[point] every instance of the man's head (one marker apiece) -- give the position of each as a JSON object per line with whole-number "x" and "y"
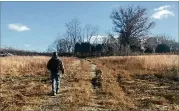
{"x": 55, "y": 55}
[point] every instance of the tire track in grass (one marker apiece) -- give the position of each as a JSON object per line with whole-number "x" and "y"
{"x": 95, "y": 106}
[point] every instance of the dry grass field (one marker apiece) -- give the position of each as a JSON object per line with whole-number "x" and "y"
{"x": 128, "y": 83}
{"x": 141, "y": 82}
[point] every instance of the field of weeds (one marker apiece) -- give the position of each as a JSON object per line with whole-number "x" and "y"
{"x": 128, "y": 83}
{"x": 142, "y": 82}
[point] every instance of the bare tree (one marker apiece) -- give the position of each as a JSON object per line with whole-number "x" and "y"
{"x": 95, "y": 39}
{"x": 111, "y": 44}
{"x": 151, "y": 43}
{"x": 90, "y": 31}
{"x": 53, "y": 47}
{"x": 164, "y": 39}
{"x": 130, "y": 23}
{"x": 115, "y": 44}
{"x": 61, "y": 45}
{"x": 68, "y": 42}
{"x": 73, "y": 32}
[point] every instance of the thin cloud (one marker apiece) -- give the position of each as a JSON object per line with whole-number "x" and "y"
{"x": 163, "y": 12}
{"x": 18, "y": 27}
{"x": 162, "y": 8}
{"x": 26, "y": 45}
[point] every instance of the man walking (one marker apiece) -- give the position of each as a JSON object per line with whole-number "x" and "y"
{"x": 55, "y": 66}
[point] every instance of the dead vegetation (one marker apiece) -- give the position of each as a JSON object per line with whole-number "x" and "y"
{"x": 127, "y": 83}
{"x": 25, "y": 82}
{"x": 143, "y": 82}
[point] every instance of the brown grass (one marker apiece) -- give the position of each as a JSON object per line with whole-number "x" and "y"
{"x": 23, "y": 65}
{"x": 111, "y": 95}
{"x": 79, "y": 87}
{"x": 139, "y": 64}
{"x": 119, "y": 73}
{"x": 20, "y": 65}
{"x": 25, "y": 83}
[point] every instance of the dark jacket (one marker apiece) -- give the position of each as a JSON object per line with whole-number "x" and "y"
{"x": 55, "y": 65}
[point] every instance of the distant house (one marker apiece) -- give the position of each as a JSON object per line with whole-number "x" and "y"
{"x": 6, "y": 54}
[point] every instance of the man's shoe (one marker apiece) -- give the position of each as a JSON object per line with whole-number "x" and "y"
{"x": 57, "y": 91}
{"x": 54, "y": 94}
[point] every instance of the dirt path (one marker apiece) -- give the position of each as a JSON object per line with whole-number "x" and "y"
{"x": 149, "y": 92}
{"x": 76, "y": 93}
{"x": 95, "y": 105}
{"x": 61, "y": 100}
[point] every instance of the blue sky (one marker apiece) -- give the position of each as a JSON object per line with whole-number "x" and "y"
{"x": 35, "y": 25}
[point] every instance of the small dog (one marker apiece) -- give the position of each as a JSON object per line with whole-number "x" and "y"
{"x": 96, "y": 81}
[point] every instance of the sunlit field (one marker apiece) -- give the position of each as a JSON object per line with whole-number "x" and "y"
{"x": 140, "y": 82}
{"x": 128, "y": 83}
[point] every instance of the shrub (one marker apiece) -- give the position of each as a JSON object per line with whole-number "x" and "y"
{"x": 148, "y": 50}
{"x": 162, "y": 48}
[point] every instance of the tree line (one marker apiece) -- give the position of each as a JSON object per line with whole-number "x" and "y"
{"x": 130, "y": 35}
{"x": 5, "y": 51}
{"x": 74, "y": 34}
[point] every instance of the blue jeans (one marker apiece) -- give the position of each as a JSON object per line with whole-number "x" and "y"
{"x": 55, "y": 82}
